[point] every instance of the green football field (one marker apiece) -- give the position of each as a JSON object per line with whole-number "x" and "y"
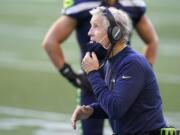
{"x": 35, "y": 99}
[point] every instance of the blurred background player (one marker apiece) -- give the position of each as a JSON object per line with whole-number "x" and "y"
{"x": 76, "y": 17}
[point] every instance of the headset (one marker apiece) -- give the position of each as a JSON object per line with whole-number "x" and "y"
{"x": 113, "y": 31}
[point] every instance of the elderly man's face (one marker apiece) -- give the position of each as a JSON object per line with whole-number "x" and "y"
{"x": 98, "y": 32}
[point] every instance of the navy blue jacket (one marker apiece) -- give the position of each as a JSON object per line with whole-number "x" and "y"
{"x": 130, "y": 96}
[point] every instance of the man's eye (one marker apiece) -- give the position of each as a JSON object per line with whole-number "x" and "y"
{"x": 95, "y": 26}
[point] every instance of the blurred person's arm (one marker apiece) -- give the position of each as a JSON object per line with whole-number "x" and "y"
{"x": 56, "y": 35}
{"x": 147, "y": 32}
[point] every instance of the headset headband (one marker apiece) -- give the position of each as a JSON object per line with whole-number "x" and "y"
{"x": 110, "y": 17}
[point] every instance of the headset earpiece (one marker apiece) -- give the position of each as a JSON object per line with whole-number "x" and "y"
{"x": 114, "y": 32}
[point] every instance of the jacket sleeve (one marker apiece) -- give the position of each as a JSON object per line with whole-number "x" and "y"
{"x": 129, "y": 83}
{"x": 98, "y": 112}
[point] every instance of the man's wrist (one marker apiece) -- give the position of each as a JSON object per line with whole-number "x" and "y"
{"x": 92, "y": 76}
{"x": 92, "y": 72}
{"x": 88, "y": 72}
{"x": 65, "y": 69}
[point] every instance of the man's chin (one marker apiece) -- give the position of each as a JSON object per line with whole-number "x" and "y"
{"x": 92, "y": 41}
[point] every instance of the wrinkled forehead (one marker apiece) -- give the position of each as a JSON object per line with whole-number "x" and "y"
{"x": 98, "y": 19}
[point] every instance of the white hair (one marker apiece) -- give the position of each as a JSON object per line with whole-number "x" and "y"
{"x": 121, "y": 19}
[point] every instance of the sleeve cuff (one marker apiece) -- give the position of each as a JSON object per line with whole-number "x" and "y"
{"x": 93, "y": 74}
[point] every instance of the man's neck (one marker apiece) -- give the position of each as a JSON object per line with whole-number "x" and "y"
{"x": 118, "y": 47}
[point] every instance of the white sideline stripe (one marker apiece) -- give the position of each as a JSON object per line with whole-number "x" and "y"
{"x": 10, "y": 31}
{"x": 169, "y": 78}
{"x": 32, "y": 113}
{"x": 36, "y": 32}
{"x": 47, "y": 122}
{"x": 20, "y": 64}
{"x": 169, "y": 51}
{"x": 50, "y": 132}
{"x": 27, "y": 65}
{"x": 52, "y": 123}
{"x": 173, "y": 119}
{"x": 12, "y": 123}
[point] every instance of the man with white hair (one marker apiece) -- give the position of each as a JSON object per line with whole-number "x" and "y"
{"x": 129, "y": 95}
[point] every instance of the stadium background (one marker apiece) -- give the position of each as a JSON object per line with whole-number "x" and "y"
{"x": 35, "y": 99}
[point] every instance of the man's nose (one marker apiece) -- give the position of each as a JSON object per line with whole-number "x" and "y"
{"x": 90, "y": 32}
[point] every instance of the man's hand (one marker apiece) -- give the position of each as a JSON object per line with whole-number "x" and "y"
{"x": 90, "y": 62}
{"x": 80, "y": 113}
